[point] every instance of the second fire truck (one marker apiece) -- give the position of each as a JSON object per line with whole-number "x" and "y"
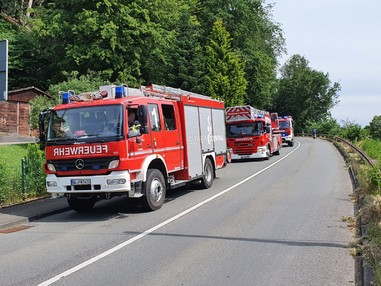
{"x": 250, "y": 133}
{"x": 286, "y": 129}
{"x": 138, "y": 142}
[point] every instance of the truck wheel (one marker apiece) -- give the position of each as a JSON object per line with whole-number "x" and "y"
{"x": 291, "y": 143}
{"x": 268, "y": 153}
{"x": 277, "y": 152}
{"x": 208, "y": 174}
{"x": 82, "y": 204}
{"x": 155, "y": 189}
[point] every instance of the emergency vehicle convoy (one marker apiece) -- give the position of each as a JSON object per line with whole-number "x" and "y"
{"x": 250, "y": 133}
{"x": 138, "y": 142}
{"x": 286, "y": 129}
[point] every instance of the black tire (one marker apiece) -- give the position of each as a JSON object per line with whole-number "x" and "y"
{"x": 154, "y": 189}
{"x": 291, "y": 143}
{"x": 208, "y": 174}
{"x": 80, "y": 204}
{"x": 268, "y": 153}
{"x": 277, "y": 152}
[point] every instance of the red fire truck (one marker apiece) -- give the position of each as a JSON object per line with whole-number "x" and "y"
{"x": 286, "y": 129}
{"x": 139, "y": 142}
{"x": 250, "y": 133}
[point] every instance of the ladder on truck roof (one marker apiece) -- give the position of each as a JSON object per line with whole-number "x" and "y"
{"x": 171, "y": 92}
{"x": 245, "y": 112}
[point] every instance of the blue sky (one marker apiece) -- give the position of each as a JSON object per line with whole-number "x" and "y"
{"x": 341, "y": 38}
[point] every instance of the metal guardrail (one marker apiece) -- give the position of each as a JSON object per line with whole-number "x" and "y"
{"x": 363, "y": 155}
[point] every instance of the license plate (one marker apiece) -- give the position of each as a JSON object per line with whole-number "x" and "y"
{"x": 80, "y": 182}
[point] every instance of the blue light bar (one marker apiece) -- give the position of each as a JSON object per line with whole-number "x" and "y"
{"x": 65, "y": 98}
{"x": 119, "y": 91}
{"x": 259, "y": 116}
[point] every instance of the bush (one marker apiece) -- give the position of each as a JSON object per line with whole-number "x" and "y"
{"x": 372, "y": 147}
{"x": 34, "y": 169}
{"x": 352, "y": 132}
{"x": 10, "y": 185}
{"x": 374, "y": 179}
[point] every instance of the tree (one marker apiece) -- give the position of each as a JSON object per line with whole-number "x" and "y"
{"x": 258, "y": 39}
{"x": 185, "y": 68}
{"x": 128, "y": 39}
{"x": 262, "y": 83}
{"x": 225, "y": 71}
{"x": 375, "y": 127}
{"x": 304, "y": 93}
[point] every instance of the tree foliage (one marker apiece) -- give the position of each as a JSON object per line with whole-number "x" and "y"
{"x": 141, "y": 42}
{"x": 256, "y": 37}
{"x": 375, "y": 127}
{"x": 225, "y": 71}
{"x": 304, "y": 93}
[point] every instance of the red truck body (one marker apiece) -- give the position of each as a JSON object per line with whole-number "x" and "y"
{"x": 178, "y": 137}
{"x": 250, "y": 133}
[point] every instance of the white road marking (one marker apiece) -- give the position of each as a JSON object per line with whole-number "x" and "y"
{"x": 168, "y": 221}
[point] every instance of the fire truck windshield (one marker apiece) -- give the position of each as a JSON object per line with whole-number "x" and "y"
{"x": 89, "y": 124}
{"x": 244, "y": 129}
{"x": 284, "y": 124}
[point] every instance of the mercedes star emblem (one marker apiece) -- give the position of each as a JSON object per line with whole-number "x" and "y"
{"x": 79, "y": 164}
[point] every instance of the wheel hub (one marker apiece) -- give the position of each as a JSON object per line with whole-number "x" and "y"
{"x": 156, "y": 190}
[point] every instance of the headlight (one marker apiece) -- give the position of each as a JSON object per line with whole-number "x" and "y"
{"x": 51, "y": 184}
{"x": 51, "y": 167}
{"x": 261, "y": 149}
{"x": 113, "y": 164}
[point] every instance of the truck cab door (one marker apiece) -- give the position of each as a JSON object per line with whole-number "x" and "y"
{"x": 172, "y": 138}
{"x": 165, "y": 134}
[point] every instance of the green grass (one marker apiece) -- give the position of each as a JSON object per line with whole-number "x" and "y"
{"x": 11, "y": 191}
{"x": 11, "y": 155}
{"x": 372, "y": 147}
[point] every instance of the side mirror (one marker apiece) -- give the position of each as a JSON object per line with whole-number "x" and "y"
{"x": 43, "y": 116}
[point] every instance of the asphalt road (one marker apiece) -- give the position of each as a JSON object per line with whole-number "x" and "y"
{"x": 276, "y": 222}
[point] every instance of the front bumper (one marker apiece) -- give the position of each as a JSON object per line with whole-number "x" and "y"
{"x": 115, "y": 182}
{"x": 287, "y": 138}
{"x": 260, "y": 154}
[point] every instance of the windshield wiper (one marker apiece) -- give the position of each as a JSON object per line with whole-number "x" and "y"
{"x": 61, "y": 141}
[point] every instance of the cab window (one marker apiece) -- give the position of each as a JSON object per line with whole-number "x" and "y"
{"x": 154, "y": 117}
{"x": 169, "y": 117}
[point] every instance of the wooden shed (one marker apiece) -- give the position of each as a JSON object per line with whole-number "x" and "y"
{"x": 14, "y": 113}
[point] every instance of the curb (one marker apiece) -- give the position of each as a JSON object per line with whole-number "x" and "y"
{"x": 11, "y": 221}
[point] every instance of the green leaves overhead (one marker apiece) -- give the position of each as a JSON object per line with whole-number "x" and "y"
{"x": 147, "y": 41}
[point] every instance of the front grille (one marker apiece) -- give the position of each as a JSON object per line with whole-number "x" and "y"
{"x": 244, "y": 148}
{"x": 88, "y": 164}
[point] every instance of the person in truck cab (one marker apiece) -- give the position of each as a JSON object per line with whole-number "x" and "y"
{"x": 60, "y": 129}
{"x": 131, "y": 118}
{"x": 133, "y": 123}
